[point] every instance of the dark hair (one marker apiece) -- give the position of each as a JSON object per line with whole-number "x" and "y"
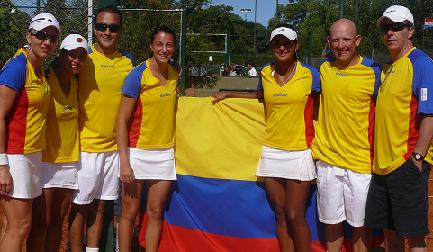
{"x": 110, "y": 9}
{"x": 162, "y": 29}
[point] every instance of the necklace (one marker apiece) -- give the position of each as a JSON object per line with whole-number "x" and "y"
{"x": 289, "y": 76}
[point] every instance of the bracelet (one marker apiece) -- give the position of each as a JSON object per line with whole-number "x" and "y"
{"x": 4, "y": 159}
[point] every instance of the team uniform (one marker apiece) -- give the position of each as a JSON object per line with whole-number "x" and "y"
{"x": 397, "y": 197}
{"x": 25, "y": 125}
{"x": 99, "y": 98}
{"x": 61, "y": 156}
{"x": 289, "y": 124}
{"x": 343, "y": 143}
{"x": 151, "y": 134}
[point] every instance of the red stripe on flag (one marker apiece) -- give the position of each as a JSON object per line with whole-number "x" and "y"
{"x": 179, "y": 239}
{"x": 17, "y": 125}
{"x": 134, "y": 130}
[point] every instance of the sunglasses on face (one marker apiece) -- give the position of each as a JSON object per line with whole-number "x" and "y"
{"x": 102, "y": 27}
{"x": 41, "y": 35}
{"x": 76, "y": 54}
{"x": 278, "y": 44}
{"x": 395, "y": 27}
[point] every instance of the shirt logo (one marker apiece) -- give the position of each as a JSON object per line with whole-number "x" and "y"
{"x": 67, "y": 108}
{"x": 165, "y": 95}
{"x": 276, "y": 95}
{"x": 423, "y": 94}
{"x": 341, "y": 74}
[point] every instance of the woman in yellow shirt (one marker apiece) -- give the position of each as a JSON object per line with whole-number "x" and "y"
{"x": 24, "y": 97}
{"x": 60, "y": 157}
{"x": 286, "y": 163}
{"x": 145, "y": 136}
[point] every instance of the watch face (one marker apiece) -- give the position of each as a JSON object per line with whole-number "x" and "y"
{"x": 417, "y": 156}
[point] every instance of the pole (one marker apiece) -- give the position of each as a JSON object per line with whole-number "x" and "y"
{"x": 183, "y": 51}
{"x": 423, "y": 38}
{"x": 255, "y": 28}
{"x": 89, "y": 22}
{"x": 356, "y": 12}
{"x": 276, "y": 8}
{"x": 38, "y": 4}
{"x": 341, "y": 8}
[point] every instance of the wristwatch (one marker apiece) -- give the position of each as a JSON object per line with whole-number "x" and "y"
{"x": 417, "y": 156}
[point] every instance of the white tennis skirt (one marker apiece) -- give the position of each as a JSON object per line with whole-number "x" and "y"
{"x": 298, "y": 165}
{"x": 153, "y": 163}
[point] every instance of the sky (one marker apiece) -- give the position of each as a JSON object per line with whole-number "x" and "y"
{"x": 265, "y": 8}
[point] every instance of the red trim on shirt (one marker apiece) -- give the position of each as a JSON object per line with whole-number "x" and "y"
{"x": 414, "y": 123}
{"x": 308, "y": 119}
{"x": 17, "y": 124}
{"x": 371, "y": 128}
{"x": 134, "y": 130}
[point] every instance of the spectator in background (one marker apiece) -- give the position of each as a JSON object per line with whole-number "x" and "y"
{"x": 252, "y": 72}
{"x": 232, "y": 70}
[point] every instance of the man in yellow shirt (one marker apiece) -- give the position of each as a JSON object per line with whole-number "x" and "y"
{"x": 397, "y": 198}
{"x": 343, "y": 142}
{"x": 99, "y": 97}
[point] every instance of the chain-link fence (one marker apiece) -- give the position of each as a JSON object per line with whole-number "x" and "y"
{"x": 73, "y": 17}
{"x": 15, "y": 17}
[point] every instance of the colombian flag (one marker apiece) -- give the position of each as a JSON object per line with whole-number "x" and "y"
{"x": 218, "y": 204}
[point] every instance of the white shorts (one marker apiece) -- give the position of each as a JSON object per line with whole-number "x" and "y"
{"x": 153, "y": 164}
{"x": 298, "y": 165}
{"x": 59, "y": 175}
{"x": 97, "y": 177}
{"x": 25, "y": 170}
{"x": 341, "y": 194}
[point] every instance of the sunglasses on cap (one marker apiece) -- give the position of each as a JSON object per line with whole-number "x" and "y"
{"x": 395, "y": 27}
{"x": 102, "y": 27}
{"x": 41, "y": 35}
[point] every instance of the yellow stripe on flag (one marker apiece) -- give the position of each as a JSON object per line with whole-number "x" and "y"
{"x": 209, "y": 137}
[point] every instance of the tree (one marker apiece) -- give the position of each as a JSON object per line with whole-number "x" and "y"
{"x": 12, "y": 29}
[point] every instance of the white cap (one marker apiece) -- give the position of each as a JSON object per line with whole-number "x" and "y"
{"x": 43, "y": 20}
{"x": 286, "y": 32}
{"x": 396, "y": 13}
{"x": 74, "y": 41}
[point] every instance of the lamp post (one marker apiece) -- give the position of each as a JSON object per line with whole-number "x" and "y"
{"x": 245, "y": 11}
{"x": 356, "y": 11}
{"x": 255, "y": 28}
{"x": 341, "y": 8}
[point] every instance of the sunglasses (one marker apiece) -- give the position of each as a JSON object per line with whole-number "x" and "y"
{"x": 76, "y": 54}
{"x": 41, "y": 35}
{"x": 395, "y": 27}
{"x": 102, "y": 27}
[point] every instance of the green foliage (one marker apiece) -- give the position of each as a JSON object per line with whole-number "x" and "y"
{"x": 12, "y": 30}
{"x": 220, "y": 19}
{"x": 71, "y": 14}
{"x": 312, "y": 19}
